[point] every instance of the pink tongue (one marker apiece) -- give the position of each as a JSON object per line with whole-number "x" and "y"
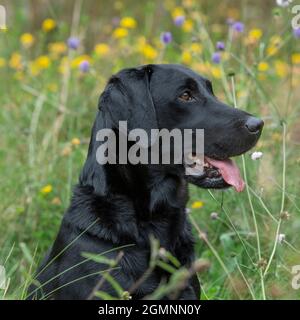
{"x": 229, "y": 171}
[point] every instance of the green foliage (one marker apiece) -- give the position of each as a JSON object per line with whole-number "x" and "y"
{"x": 48, "y": 103}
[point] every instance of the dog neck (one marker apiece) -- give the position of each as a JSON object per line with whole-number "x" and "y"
{"x": 154, "y": 189}
{"x": 139, "y": 195}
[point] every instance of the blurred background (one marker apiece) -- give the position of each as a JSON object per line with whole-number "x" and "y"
{"x": 55, "y": 58}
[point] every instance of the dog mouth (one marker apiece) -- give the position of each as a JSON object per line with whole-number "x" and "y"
{"x": 215, "y": 173}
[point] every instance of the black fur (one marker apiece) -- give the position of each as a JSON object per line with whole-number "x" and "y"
{"x": 117, "y": 205}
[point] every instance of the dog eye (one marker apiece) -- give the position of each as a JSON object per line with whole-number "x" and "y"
{"x": 186, "y": 96}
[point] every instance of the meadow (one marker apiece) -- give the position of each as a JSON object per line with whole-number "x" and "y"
{"x": 55, "y": 59}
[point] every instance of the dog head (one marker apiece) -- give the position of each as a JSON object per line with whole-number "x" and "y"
{"x": 172, "y": 96}
{"x": 184, "y": 99}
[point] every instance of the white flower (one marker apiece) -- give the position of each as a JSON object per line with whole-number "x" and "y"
{"x": 187, "y": 210}
{"x": 280, "y": 238}
{"x": 283, "y": 3}
{"x": 256, "y": 155}
{"x": 162, "y": 252}
{"x": 214, "y": 215}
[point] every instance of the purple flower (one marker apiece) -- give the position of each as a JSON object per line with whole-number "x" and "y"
{"x": 220, "y": 45}
{"x": 238, "y": 26}
{"x": 73, "y": 43}
{"x": 179, "y": 20}
{"x": 84, "y": 66}
{"x": 166, "y": 37}
{"x": 297, "y": 33}
{"x": 216, "y": 57}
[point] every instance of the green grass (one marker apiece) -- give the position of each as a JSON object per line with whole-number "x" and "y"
{"x": 42, "y": 113}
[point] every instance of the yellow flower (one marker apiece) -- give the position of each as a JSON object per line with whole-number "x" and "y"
{"x": 282, "y": 68}
{"x": 295, "y": 58}
{"x": 120, "y": 33}
{"x": 102, "y": 49}
{"x": 197, "y": 204}
{"x": 46, "y": 189}
{"x": 75, "y": 142}
{"x": 196, "y": 48}
{"x": 48, "y": 25}
{"x": 276, "y": 40}
{"x": 188, "y": 25}
{"x": 128, "y": 22}
{"x": 148, "y": 52}
{"x": 216, "y": 72}
{"x": 15, "y": 61}
{"x": 2, "y": 62}
{"x": 177, "y": 12}
{"x": 275, "y": 43}
{"x": 255, "y": 34}
{"x": 77, "y": 61}
{"x": 42, "y": 62}
{"x": 27, "y": 40}
{"x": 186, "y": 57}
{"x": 263, "y": 66}
{"x": 57, "y": 48}
{"x": 271, "y": 50}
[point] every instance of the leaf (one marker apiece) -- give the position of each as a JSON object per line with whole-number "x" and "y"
{"x": 114, "y": 284}
{"x": 105, "y": 296}
{"x": 99, "y": 259}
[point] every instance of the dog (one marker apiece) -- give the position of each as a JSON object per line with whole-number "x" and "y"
{"x": 124, "y": 205}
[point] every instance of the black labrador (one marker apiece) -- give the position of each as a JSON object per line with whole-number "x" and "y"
{"x": 116, "y": 205}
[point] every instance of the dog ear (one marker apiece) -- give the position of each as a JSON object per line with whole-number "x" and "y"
{"x": 127, "y": 97}
{"x": 93, "y": 174}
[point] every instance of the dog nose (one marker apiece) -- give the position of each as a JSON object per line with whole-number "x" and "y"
{"x": 254, "y": 125}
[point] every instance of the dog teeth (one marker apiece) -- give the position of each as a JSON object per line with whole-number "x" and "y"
{"x": 192, "y": 157}
{"x": 198, "y": 161}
